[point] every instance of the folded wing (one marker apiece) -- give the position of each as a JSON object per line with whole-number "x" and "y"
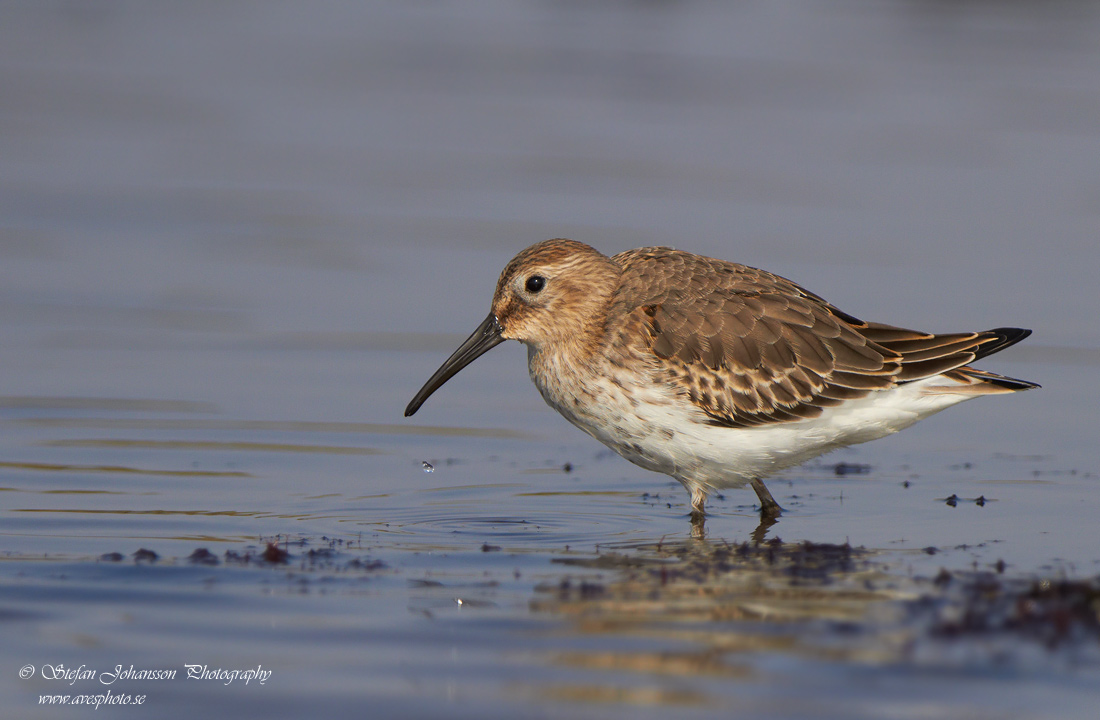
{"x": 751, "y": 348}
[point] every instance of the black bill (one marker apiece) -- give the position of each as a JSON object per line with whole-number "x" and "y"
{"x": 485, "y": 338}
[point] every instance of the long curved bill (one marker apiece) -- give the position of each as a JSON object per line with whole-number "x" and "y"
{"x": 485, "y": 338}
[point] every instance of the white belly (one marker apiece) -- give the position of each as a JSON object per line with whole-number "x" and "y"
{"x": 663, "y": 432}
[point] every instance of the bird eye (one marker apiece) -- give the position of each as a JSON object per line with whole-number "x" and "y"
{"x": 535, "y": 283}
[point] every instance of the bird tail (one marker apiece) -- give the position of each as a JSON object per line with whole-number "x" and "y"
{"x": 983, "y": 382}
{"x": 992, "y": 382}
{"x": 1001, "y": 338}
{"x": 919, "y": 359}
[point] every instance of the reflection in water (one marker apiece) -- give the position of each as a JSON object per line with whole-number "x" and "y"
{"x": 699, "y": 581}
{"x": 604, "y": 694}
{"x": 718, "y": 609}
{"x": 702, "y": 609}
{"x": 713, "y": 610}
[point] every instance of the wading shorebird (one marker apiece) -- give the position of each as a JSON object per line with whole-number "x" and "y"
{"x": 715, "y": 373}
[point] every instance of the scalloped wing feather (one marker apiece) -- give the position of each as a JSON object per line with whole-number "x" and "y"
{"x": 750, "y": 348}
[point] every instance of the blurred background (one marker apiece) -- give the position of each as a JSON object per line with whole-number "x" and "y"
{"x": 331, "y": 174}
{"x": 295, "y": 212}
{"x": 236, "y": 237}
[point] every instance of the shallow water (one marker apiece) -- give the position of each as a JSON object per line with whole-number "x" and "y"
{"x": 235, "y": 240}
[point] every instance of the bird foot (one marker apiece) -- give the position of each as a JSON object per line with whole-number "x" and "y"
{"x": 769, "y": 508}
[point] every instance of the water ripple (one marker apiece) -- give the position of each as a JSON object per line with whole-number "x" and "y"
{"x": 270, "y": 426}
{"x": 119, "y": 469}
{"x": 536, "y": 530}
{"x": 212, "y": 445}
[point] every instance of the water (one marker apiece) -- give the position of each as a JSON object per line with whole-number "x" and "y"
{"x": 235, "y": 239}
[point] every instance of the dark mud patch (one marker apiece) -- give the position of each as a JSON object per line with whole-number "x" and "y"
{"x": 335, "y": 555}
{"x": 981, "y": 605}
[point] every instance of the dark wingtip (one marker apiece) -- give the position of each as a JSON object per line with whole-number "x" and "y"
{"x": 1002, "y": 338}
{"x": 1012, "y": 334}
{"x": 1013, "y": 383}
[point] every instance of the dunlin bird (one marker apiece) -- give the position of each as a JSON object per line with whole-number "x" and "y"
{"x": 715, "y": 373}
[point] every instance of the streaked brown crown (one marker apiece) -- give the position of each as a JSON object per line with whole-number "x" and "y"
{"x": 577, "y": 283}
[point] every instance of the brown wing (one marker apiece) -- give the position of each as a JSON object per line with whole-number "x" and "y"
{"x": 751, "y": 348}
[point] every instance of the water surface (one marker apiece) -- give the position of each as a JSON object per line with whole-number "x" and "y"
{"x": 235, "y": 239}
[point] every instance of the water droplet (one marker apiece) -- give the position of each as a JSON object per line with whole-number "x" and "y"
{"x": 428, "y": 467}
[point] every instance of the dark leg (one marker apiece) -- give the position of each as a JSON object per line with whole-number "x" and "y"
{"x": 769, "y": 508}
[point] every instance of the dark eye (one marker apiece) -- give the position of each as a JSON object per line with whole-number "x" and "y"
{"x": 535, "y": 283}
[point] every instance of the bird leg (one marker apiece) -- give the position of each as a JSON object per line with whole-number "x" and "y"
{"x": 698, "y": 507}
{"x": 769, "y": 508}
